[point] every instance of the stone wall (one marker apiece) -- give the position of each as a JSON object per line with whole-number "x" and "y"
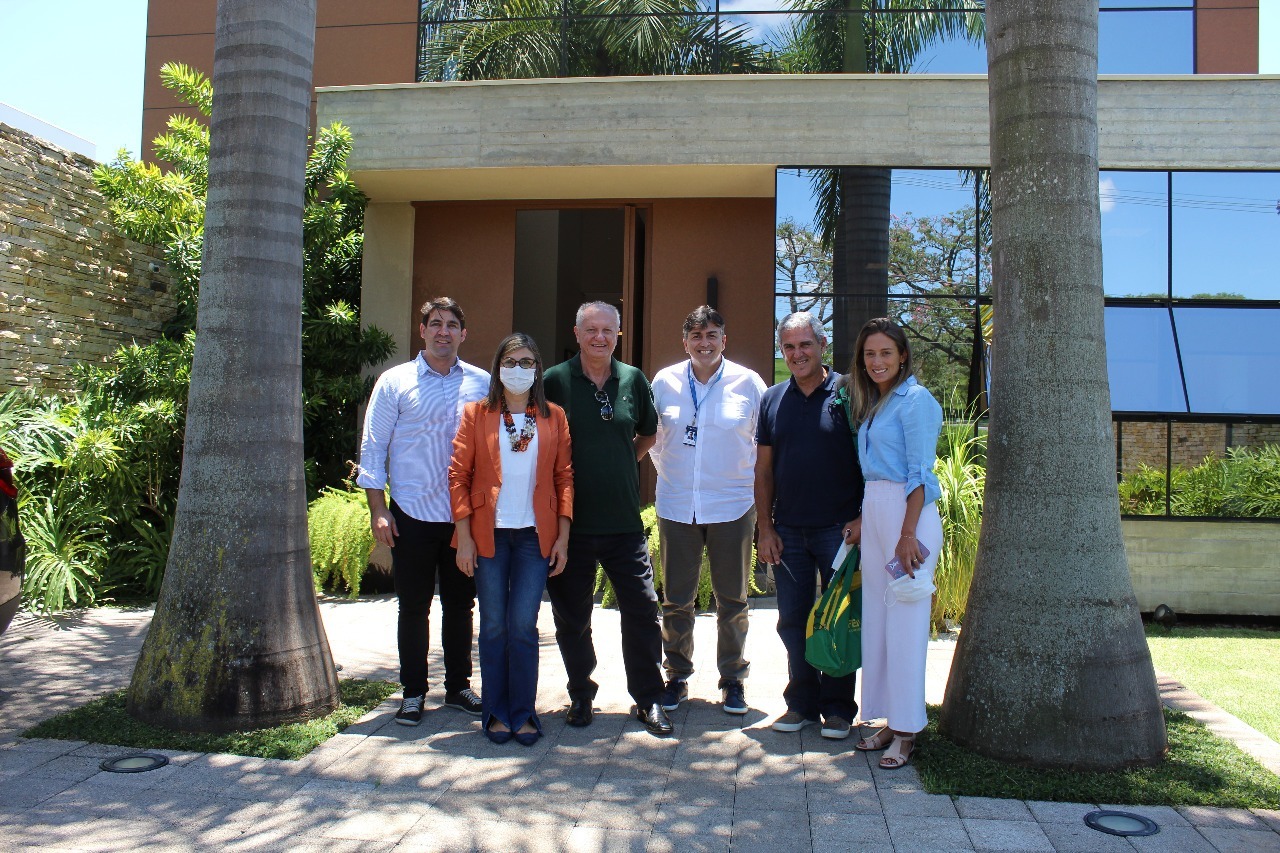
{"x": 1145, "y": 443}
{"x": 72, "y": 288}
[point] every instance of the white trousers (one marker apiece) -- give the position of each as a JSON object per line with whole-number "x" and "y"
{"x": 895, "y": 637}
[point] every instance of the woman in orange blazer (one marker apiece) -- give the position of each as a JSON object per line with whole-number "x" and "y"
{"x": 511, "y": 487}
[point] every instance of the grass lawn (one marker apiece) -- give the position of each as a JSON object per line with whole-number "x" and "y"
{"x": 1237, "y": 669}
{"x": 1200, "y": 769}
{"x": 105, "y": 721}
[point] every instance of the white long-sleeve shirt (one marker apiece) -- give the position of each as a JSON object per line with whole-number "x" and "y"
{"x": 409, "y": 426}
{"x": 712, "y": 481}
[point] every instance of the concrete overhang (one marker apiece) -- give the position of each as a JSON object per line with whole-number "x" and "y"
{"x": 723, "y": 136}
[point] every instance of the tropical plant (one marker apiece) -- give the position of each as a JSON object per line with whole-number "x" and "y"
{"x": 65, "y": 552}
{"x": 341, "y": 539}
{"x": 168, "y": 208}
{"x": 1243, "y": 484}
{"x": 236, "y": 642}
{"x": 962, "y": 473}
{"x": 852, "y": 202}
{"x": 1052, "y": 668}
{"x": 509, "y": 39}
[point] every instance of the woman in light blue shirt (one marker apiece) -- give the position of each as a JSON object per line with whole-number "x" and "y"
{"x": 898, "y": 423}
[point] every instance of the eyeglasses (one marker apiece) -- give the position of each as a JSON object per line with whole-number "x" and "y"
{"x": 606, "y": 408}
{"x": 526, "y": 363}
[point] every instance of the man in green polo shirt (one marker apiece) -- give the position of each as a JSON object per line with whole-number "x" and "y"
{"x": 612, "y": 422}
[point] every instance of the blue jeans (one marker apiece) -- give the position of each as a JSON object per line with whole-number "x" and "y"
{"x": 509, "y": 586}
{"x": 807, "y": 553}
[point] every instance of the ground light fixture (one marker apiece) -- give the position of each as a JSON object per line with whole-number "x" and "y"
{"x": 1120, "y": 823}
{"x": 134, "y": 762}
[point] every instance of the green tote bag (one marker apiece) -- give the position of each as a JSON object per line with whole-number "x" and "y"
{"x": 833, "y": 639}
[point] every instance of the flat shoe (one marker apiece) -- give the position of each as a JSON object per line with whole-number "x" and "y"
{"x": 527, "y": 738}
{"x": 876, "y": 742}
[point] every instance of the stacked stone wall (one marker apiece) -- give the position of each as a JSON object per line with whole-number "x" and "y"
{"x": 1144, "y": 443}
{"x": 72, "y": 288}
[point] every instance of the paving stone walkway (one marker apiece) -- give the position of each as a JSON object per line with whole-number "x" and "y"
{"x": 721, "y": 784}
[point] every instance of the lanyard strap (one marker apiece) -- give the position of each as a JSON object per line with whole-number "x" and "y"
{"x": 697, "y": 404}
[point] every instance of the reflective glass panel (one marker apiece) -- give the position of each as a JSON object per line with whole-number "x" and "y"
{"x": 1225, "y": 233}
{"x": 1141, "y": 455}
{"x": 941, "y": 336}
{"x": 1135, "y": 226}
{"x": 1146, "y": 42}
{"x": 1142, "y": 365}
{"x": 1231, "y": 357}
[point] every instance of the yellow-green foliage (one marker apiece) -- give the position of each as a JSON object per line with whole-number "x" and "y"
{"x": 649, "y": 518}
{"x": 962, "y": 474}
{"x": 341, "y": 541}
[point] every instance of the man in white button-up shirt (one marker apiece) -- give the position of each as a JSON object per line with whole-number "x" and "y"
{"x": 705, "y": 455}
{"x": 409, "y": 427}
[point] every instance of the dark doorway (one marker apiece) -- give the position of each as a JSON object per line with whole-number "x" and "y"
{"x": 568, "y": 256}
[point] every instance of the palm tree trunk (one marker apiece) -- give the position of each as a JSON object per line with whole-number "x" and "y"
{"x": 860, "y": 256}
{"x": 236, "y": 641}
{"x": 1052, "y": 668}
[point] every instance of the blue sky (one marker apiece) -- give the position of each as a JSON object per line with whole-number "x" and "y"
{"x": 77, "y": 64}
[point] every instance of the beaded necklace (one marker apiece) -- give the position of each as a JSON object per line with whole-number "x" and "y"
{"x": 520, "y": 441}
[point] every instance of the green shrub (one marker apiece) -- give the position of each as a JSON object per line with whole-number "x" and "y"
{"x": 341, "y": 539}
{"x": 962, "y": 474}
{"x": 1243, "y": 484}
{"x": 649, "y": 518}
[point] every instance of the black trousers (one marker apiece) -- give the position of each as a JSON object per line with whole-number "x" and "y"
{"x": 422, "y": 554}
{"x": 625, "y": 558}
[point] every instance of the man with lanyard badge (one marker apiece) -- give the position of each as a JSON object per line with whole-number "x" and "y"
{"x": 705, "y": 458}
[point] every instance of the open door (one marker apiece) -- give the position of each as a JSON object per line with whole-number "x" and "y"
{"x": 568, "y": 256}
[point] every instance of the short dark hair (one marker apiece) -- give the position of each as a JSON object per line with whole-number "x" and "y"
{"x": 701, "y": 317}
{"x": 443, "y": 303}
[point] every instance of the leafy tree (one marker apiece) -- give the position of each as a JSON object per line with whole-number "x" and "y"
{"x": 236, "y": 641}
{"x": 1052, "y": 668}
{"x": 506, "y": 39}
{"x": 931, "y": 257}
{"x": 167, "y": 208}
{"x": 864, "y": 36}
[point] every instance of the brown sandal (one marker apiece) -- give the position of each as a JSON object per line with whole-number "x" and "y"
{"x": 899, "y": 753}
{"x": 876, "y": 742}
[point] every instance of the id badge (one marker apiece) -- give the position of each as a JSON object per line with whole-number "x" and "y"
{"x": 690, "y": 435}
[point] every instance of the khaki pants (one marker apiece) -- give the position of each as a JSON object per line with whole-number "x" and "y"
{"x": 728, "y": 548}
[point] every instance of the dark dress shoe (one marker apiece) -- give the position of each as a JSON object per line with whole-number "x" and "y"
{"x": 655, "y": 719}
{"x": 580, "y": 712}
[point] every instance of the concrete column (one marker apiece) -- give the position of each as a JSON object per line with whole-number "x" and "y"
{"x": 386, "y": 291}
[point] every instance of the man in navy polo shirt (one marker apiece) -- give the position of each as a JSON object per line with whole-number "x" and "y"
{"x": 808, "y": 492}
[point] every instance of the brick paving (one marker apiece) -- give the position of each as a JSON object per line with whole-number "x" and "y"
{"x": 721, "y": 783}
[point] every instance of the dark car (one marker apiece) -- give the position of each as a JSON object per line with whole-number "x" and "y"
{"x": 13, "y": 549}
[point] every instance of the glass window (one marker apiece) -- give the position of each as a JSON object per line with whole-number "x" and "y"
{"x": 1142, "y": 365}
{"x": 941, "y": 336}
{"x": 1135, "y": 231}
{"x": 1225, "y": 233}
{"x": 1231, "y": 357}
{"x": 1146, "y": 42}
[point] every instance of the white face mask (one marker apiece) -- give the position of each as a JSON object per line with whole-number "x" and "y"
{"x": 907, "y": 589}
{"x": 517, "y": 380}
